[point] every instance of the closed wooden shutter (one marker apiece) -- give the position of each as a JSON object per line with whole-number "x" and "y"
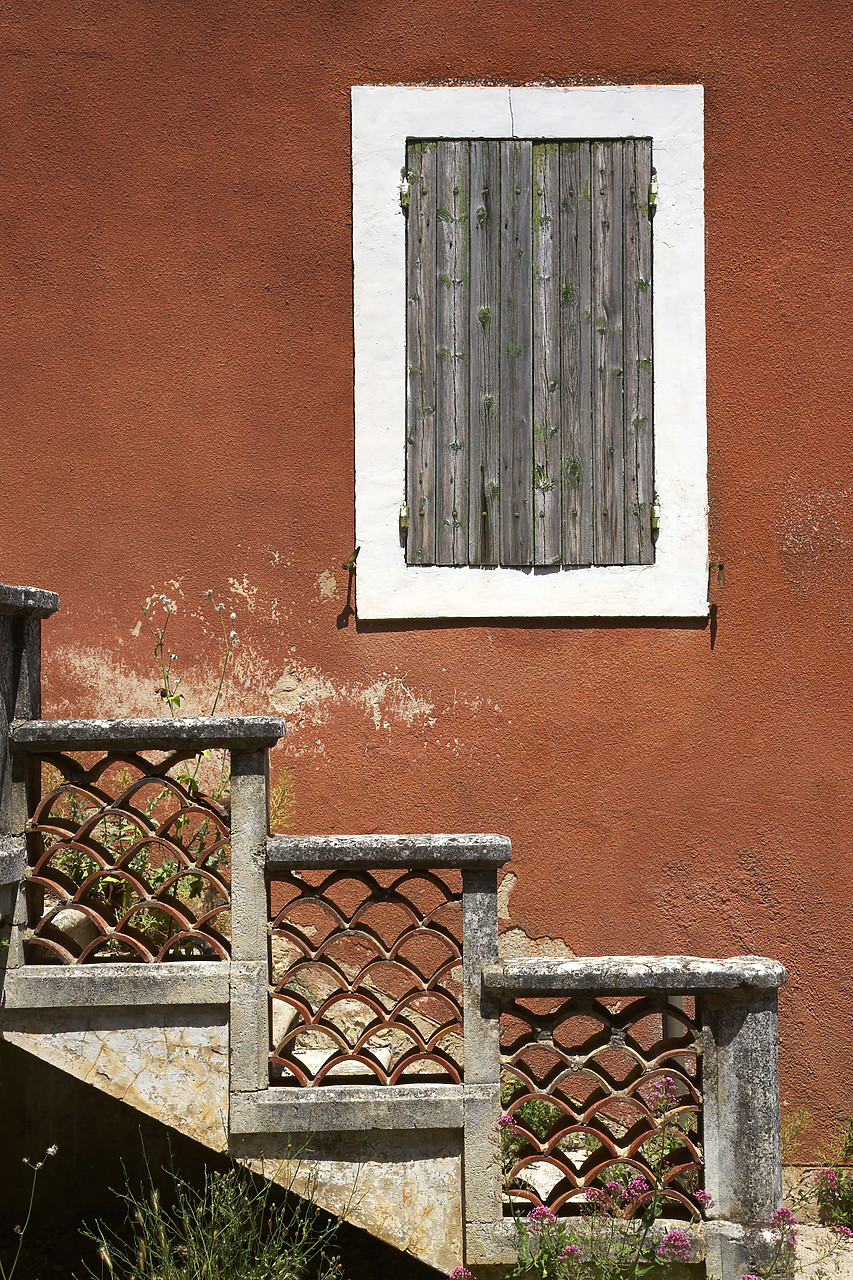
{"x": 529, "y": 433}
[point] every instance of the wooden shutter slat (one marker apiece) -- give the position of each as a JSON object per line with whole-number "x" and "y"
{"x": 516, "y": 496}
{"x": 639, "y": 453}
{"x": 576, "y": 351}
{"x": 547, "y": 487}
{"x": 485, "y": 330}
{"x": 420, "y": 354}
{"x": 608, "y": 426}
{"x": 451, "y": 341}
{"x": 529, "y": 346}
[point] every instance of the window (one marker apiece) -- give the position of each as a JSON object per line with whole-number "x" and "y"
{"x": 517, "y": 431}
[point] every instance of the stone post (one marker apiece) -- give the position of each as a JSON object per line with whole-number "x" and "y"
{"x": 21, "y": 612}
{"x": 482, "y": 1095}
{"x": 742, "y": 1144}
{"x": 250, "y": 1014}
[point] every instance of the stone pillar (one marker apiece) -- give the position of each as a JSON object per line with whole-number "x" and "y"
{"x": 742, "y": 1144}
{"x": 21, "y": 612}
{"x": 481, "y": 1162}
{"x": 249, "y": 1039}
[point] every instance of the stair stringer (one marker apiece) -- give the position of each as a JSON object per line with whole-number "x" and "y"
{"x": 171, "y": 1063}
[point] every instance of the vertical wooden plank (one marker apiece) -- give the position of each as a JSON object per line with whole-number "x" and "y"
{"x": 516, "y": 356}
{"x": 485, "y": 336}
{"x": 607, "y": 404}
{"x": 547, "y": 487}
{"x": 637, "y": 306}
{"x": 420, "y": 353}
{"x": 451, "y": 342}
{"x": 576, "y": 351}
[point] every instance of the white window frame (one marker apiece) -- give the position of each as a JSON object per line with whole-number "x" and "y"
{"x": 383, "y": 117}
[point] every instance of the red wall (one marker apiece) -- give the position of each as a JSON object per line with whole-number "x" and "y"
{"x": 177, "y": 400}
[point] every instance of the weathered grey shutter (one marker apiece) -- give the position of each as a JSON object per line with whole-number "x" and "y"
{"x": 529, "y": 348}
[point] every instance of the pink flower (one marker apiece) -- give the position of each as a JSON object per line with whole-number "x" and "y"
{"x": 595, "y": 1196}
{"x": 637, "y": 1189}
{"x": 461, "y": 1273}
{"x": 844, "y": 1232}
{"x": 706, "y": 1201}
{"x": 747, "y": 1276}
{"x": 826, "y": 1179}
{"x": 662, "y": 1094}
{"x": 783, "y": 1221}
{"x": 675, "y": 1246}
{"x": 504, "y": 1123}
{"x": 572, "y": 1252}
{"x": 540, "y": 1217}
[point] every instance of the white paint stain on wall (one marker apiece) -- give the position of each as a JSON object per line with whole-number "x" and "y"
{"x": 326, "y": 584}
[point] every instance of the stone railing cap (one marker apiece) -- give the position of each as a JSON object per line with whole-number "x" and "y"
{"x": 387, "y": 851}
{"x": 632, "y": 974}
{"x": 249, "y": 733}
{"x": 27, "y": 601}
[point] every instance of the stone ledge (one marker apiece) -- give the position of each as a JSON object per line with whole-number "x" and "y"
{"x": 493, "y": 1243}
{"x": 246, "y": 733}
{"x": 49, "y": 986}
{"x": 27, "y": 601}
{"x": 337, "y": 852}
{"x": 347, "y": 1108}
{"x": 13, "y": 859}
{"x": 631, "y": 974}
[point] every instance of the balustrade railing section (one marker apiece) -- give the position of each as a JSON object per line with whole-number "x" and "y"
{"x": 601, "y": 1090}
{"x": 366, "y": 977}
{"x": 128, "y": 861}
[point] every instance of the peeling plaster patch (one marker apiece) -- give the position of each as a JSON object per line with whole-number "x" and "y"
{"x": 104, "y": 684}
{"x": 513, "y": 942}
{"x": 300, "y": 691}
{"x": 307, "y": 693}
{"x": 326, "y": 584}
{"x": 389, "y": 696}
{"x": 246, "y": 591}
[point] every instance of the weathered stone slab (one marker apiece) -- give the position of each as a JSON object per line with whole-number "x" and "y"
{"x": 172, "y": 1065}
{"x": 250, "y": 733}
{"x": 55, "y": 986}
{"x": 813, "y": 1245}
{"x": 285, "y": 852}
{"x": 27, "y": 601}
{"x": 631, "y": 974}
{"x": 13, "y": 858}
{"x": 404, "y": 1188}
{"x": 347, "y": 1108}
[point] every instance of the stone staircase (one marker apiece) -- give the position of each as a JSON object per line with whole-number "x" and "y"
{"x": 257, "y": 993}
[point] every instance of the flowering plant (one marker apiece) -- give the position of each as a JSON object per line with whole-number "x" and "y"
{"x": 603, "y": 1245}
{"x": 834, "y": 1193}
{"x": 618, "y": 1234}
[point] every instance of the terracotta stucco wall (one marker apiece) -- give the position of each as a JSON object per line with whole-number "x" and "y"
{"x": 177, "y": 411}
